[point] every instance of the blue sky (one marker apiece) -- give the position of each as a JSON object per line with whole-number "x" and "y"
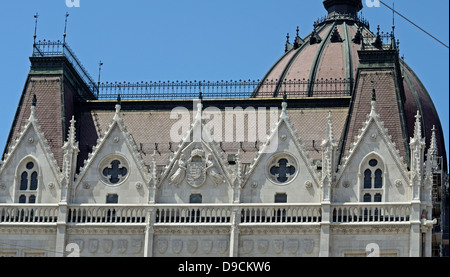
{"x": 200, "y": 40}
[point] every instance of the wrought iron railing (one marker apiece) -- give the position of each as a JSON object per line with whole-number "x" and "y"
{"x": 59, "y": 48}
{"x": 192, "y": 89}
{"x": 224, "y": 89}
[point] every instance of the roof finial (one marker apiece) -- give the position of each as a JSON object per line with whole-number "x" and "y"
{"x": 284, "y": 106}
{"x": 33, "y": 103}
{"x": 288, "y": 45}
{"x": 35, "y": 27}
{"x": 298, "y": 41}
{"x": 119, "y": 99}
{"x": 373, "y": 103}
{"x": 418, "y": 126}
{"x": 65, "y": 28}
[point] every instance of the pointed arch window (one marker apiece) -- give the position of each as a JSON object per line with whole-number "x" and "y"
{"x": 372, "y": 180}
{"x": 28, "y": 182}
{"x": 367, "y": 179}
{"x": 378, "y": 179}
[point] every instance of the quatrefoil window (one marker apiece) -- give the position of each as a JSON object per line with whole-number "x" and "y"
{"x": 282, "y": 168}
{"x": 114, "y": 170}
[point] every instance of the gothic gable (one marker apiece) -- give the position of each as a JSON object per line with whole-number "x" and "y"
{"x": 30, "y": 154}
{"x": 282, "y": 168}
{"x": 374, "y": 158}
{"x": 113, "y": 168}
{"x": 196, "y": 169}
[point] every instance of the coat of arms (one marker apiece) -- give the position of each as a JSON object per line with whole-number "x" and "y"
{"x": 196, "y": 168}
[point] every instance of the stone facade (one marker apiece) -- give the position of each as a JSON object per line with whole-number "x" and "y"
{"x": 350, "y": 166}
{"x": 201, "y": 206}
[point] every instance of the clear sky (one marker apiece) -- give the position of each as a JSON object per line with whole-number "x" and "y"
{"x": 212, "y": 40}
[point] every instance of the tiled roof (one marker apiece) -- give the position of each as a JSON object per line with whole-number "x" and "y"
{"x": 151, "y": 131}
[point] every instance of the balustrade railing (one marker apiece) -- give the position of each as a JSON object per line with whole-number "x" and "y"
{"x": 106, "y": 214}
{"x": 187, "y": 214}
{"x": 31, "y": 213}
{"x": 207, "y": 213}
{"x": 281, "y": 213}
{"x": 370, "y": 212}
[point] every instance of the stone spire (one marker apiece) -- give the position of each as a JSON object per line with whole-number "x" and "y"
{"x": 329, "y": 147}
{"x": 417, "y": 146}
{"x": 70, "y": 150}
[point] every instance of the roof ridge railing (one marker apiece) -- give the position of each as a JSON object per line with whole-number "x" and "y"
{"x": 48, "y": 48}
{"x": 223, "y": 89}
{"x": 191, "y": 89}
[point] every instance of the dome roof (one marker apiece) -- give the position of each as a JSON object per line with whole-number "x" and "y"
{"x": 325, "y": 63}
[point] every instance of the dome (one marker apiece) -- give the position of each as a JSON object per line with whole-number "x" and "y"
{"x": 327, "y": 62}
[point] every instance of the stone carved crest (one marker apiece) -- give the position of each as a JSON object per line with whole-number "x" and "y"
{"x": 278, "y": 246}
{"x": 207, "y": 246}
{"x": 196, "y": 168}
{"x": 122, "y": 245}
{"x": 308, "y": 245}
{"x": 136, "y": 245}
{"x": 292, "y": 246}
{"x": 93, "y": 245}
{"x": 247, "y": 246}
{"x": 177, "y": 246}
{"x": 107, "y": 245}
{"x": 162, "y": 246}
{"x": 192, "y": 246}
{"x": 222, "y": 246}
{"x": 263, "y": 246}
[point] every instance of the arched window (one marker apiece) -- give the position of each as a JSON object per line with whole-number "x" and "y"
{"x": 372, "y": 180}
{"x": 367, "y": 179}
{"x": 378, "y": 179}
{"x": 377, "y": 197}
{"x": 24, "y": 181}
{"x": 34, "y": 181}
{"x": 28, "y": 181}
{"x": 195, "y": 198}
{"x": 32, "y": 199}
{"x": 22, "y": 199}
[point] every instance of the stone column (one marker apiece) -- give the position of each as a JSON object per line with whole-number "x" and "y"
{"x": 415, "y": 239}
{"x": 324, "y": 247}
{"x": 61, "y": 225}
{"x": 149, "y": 232}
{"x": 234, "y": 233}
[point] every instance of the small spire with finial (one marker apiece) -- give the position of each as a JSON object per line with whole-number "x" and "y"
{"x": 35, "y": 27}
{"x": 284, "y": 106}
{"x": 65, "y": 28}
{"x": 34, "y": 101}
{"x": 373, "y": 103}
{"x": 288, "y": 45}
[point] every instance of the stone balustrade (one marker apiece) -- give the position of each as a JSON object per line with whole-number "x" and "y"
{"x": 370, "y": 212}
{"x": 205, "y": 213}
{"x": 28, "y": 213}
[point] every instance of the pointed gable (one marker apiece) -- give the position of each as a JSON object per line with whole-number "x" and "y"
{"x": 282, "y": 166}
{"x": 115, "y": 166}
{"x": 30, "y": 146}
{"x": 373, "y": 142}
{"x": 196, "y": 168}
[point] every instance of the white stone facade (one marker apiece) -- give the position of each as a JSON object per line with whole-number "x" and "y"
{"x": 200, "y": 206}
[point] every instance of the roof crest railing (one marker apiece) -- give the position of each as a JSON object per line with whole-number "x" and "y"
{"x": 47, "y": 48}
